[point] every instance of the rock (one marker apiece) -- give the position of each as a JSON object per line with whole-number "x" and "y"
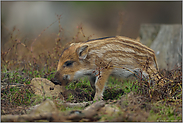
{"x": 109, "y": 110}
{"x": 48, "y": 106}
{"x": 44, "y": 87}
{"x": 148, "y": 32}
{"x": 166, "y": 41}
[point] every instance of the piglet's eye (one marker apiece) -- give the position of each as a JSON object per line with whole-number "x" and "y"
{"x": 68, "y": 63}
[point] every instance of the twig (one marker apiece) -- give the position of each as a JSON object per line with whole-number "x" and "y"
{"x": 71, "y": 105}
{"x": 87, "y": 113}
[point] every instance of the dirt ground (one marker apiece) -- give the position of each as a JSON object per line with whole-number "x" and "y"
{"x": 136, "y": 107}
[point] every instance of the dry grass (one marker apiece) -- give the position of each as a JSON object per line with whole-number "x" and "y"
{"x": 23, "y": 59}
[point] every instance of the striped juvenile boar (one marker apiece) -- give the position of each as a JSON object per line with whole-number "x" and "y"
{"x": 99, "y": 58}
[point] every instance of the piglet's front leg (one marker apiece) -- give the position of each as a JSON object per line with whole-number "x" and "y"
{"x": 100, "y": 83}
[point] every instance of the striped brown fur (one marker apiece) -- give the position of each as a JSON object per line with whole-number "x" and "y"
{"x": 118, "y": 56}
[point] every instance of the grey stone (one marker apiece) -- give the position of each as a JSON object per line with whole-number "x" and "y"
{"x": 166, "y": 41}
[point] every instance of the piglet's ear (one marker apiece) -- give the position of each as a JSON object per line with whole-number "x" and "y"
{"x": 82, "y": 51}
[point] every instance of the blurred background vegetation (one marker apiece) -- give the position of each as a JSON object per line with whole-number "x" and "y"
{"x": 28, "y": 22}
